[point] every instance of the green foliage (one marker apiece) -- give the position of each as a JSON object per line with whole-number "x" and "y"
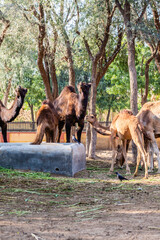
{"x": 18, "y": 58}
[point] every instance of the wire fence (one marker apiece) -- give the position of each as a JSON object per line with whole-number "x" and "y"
{"x": 32, "y": 126}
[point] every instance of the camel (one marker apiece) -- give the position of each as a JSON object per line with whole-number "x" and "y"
{"x": 71, "y": 108}
{"x": 47, "y": 123}
{"x": 8, "y": 115}
{"x": 127, "y": 127}
{"x": 149, "y": 118}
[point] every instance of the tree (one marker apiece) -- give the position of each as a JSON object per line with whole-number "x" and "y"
{"x": 99, "y": 60}
{"x": 129, "y": 22}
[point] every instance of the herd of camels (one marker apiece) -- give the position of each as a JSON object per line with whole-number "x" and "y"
{"x": 70, "y": 108}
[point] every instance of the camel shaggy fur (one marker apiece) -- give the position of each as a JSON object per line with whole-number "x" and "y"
{"x": 47, "y": 122}
{"x": 71, "y": 108}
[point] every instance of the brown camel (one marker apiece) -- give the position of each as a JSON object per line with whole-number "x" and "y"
{"x": 126, "y": 126}
{"x": 149, "y": 118}
{"x": 71, "y": 108}
{"x": 106, "y": 131}
{"x": 8, "y": 115}
{"x": 47, "y": 123}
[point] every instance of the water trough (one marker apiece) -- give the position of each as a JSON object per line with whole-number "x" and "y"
{"x": 59, "y": 158}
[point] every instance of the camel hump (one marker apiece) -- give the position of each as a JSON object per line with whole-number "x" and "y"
{"x": 68, "y": 89}
{"x": 51, "y": 106}
{"x": 128, "y": 111}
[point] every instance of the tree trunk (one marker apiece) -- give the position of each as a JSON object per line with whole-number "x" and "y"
{"x": 144, "y": 98}
{"x": 88, "y": 138}
{"x": 132, "y": 73}
{"x": 43, "y": 72}
{"x": 92, "y": 147}
{"x": 108, "y": 115}
{"x": 7, "y": 92}
{"x": 133, "y": 85}
{"x": 32, "y": 115}
{"x": 70, "y": 62}
{"x": 54, "y": 80}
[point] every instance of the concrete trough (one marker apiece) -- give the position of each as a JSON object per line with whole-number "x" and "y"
{"x": 59, "y": 158}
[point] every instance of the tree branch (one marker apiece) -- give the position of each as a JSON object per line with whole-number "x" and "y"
{"x": 119, "y": 7}
{"x": 7, "y": 25}
{"x": 144, "y": 98}
{"x": 143, "y": 12}
{"x": 118, "y": 48}
{"x": 106, "y": 34}
{"x": 155, "y": 16}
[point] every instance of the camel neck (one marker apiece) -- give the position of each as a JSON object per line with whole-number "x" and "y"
{"x": 83, "y": 101}
{"x": 11, "y": 113}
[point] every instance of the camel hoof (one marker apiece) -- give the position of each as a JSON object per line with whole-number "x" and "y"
{"x": 150, "y": 170}
{"x": 135, "y": 175}
{"x": 110, "y": 172}
{"x": 145, "y": 177}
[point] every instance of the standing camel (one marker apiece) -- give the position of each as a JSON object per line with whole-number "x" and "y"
{"x": 47, "y": 122}
{"x": 126, "y": 126}
{"x": 8, "y": 115}
{"x": 106, "y": 131}
{"x": 149, "y": 118}
{"x": 71, "y": 108}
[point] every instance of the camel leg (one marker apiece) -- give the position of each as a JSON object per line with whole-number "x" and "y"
{"x": 52, "y": 136}
{"x": 60, "y": 127}
{"x": 47, "y": 133}
{"x": 79, "y": 131}
{"x": 138, "y": 162}
{"x": 156, "y": 151}
{"x": 39, "y": 134}
{"x": 4, "y": 132}
{"x": 150, "y": 157}
{"x": 124, "y": 142}
{"x": 68, "y": 131}
{"x": 139, "y": 144}
{"x": 114, "y": 151}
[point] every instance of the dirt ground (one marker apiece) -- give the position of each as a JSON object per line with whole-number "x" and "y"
{"x": 93, "y": 205}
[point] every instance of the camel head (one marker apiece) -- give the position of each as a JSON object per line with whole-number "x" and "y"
{"x": 83, "y": 87}
{"x": 91, "y": 118}
{"x": 21, "y": 93}
{"x": 119, "y": 156}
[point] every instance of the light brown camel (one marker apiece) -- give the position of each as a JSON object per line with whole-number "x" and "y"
{"x": 149, "y": 118}
{"x": 71, "y": 108}
{"x": 47, "y": 123}
{"x": 8, "y": 115}
{"x": 126, "y": 126}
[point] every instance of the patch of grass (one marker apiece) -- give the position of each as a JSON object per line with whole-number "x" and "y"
{"x": 30, "y": 174}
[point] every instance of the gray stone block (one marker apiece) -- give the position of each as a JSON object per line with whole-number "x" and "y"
{"x": 59, "y": 158}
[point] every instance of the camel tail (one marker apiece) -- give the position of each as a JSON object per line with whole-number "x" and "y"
{"x": 103, "y": 131}
{"x": 39, "y": 134}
